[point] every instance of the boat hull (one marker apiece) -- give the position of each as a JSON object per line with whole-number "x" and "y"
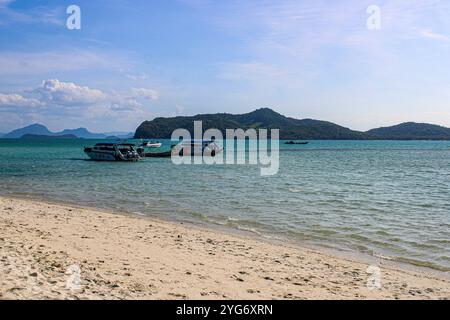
{"x": 103, "y": 156}
{"x": 166, "y": 154}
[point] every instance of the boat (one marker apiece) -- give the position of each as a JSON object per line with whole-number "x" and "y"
{"x": 151, "y": 144}
{"x": 114, "y": 152}
{"x": 197, "y": 148}
{"x": 293, "y": 142}
{"x": 189, "y": 147}
{"x": 164, "y": 154}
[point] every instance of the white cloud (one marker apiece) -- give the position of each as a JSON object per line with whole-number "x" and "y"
{"x": 429, "y": 34}
{"x": 67, "y": 94}
{"x": 149, "y": 94}
{"x": 56, "y": 93}
{"x": 75, "y": 103}
{"x": 10, "y": 101}
{"x": 126, "y": 104}
{"x": 134, "y": 101}
{"x": 302, "y": 30}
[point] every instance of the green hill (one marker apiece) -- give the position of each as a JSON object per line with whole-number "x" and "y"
{"x": 290, "y": 128}
{"x": 411, "y": 131}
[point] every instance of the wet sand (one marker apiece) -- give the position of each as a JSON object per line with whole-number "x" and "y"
{"x": 52, "y": 251}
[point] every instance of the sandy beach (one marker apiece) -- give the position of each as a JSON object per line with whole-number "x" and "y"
{"x": 52, "y": 251}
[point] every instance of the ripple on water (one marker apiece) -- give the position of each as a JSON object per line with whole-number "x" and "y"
{"x": 385, "y": 197}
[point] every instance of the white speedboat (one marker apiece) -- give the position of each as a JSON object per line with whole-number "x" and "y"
{"x": 151, "y": 144}
{"x": 114, "y": 152}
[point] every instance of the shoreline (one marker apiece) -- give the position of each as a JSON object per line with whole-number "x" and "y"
{"x": 126, "y": 256}
{"x": 210, "y": 225}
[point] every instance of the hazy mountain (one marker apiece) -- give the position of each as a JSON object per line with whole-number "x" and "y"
{"x": 41, "y": 130}
{"x": 411, "y": 131}
{"x": 290, "y": 128}
{"x": 119, "y": 134}
{"x": 37, "y": 136}
{"x": 82, "y": 133}
{"x": 37, "y": 129}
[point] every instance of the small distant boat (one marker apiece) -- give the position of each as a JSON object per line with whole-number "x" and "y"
{"x": 293, "y": 142}
{"x": 114, "y": 152}
{"x": 152, "y": 144}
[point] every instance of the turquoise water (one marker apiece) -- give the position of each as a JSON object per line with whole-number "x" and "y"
{"x": 389, "y": 199}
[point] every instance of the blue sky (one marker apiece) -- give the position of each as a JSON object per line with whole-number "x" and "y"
{"x": 135, "y": 60}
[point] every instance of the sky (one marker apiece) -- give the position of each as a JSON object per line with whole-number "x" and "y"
{"x": 134, "y": 60}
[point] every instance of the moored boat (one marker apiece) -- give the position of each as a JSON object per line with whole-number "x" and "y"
{"x": 151, "y": 144}
{"x": 189, "y": 148}
{"x": 164, "y": 154}
{"x": 197, "y": 148}
{"x": 114, "y": 152}
{"x": 294, "y": 142}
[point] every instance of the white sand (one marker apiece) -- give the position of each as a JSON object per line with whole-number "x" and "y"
{"x": 123, "y": 257}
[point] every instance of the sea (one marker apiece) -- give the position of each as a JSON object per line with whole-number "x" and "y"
{"x": 384, "y": 199}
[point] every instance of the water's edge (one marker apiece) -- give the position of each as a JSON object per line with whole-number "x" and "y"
{"x": 350, "y": 255}
{"x": 385, "y": 200}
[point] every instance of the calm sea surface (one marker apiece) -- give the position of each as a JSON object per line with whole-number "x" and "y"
{"x": 388, "y": 199}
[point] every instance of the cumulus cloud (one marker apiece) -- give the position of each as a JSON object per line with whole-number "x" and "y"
{"x": 55, "y": 99}
{"x": 67, "y": 94}
{"x": 8, "y": 101}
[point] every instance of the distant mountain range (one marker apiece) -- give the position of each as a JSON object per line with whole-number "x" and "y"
{"x": 41, "y": 130}
{"x": 290, "y": 128}
{"x": 29, "y": 136}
